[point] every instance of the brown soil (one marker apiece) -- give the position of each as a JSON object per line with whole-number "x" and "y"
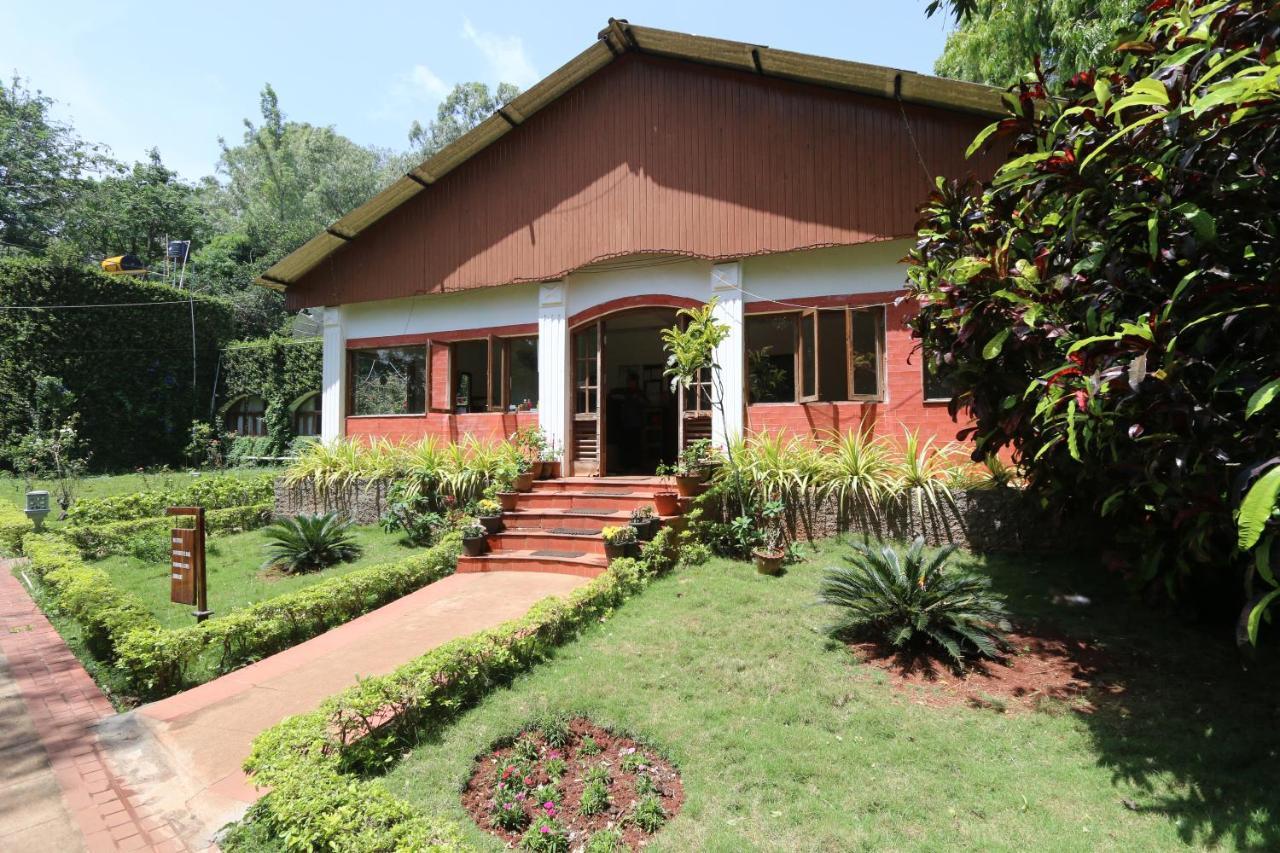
{"x": 478, "y": 796}
{"x": 1038, "y": 671}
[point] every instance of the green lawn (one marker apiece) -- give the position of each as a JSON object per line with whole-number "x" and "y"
{"x": 785, "y": 742}
{"x": 14, "y": 489}
{"x": 235, "y": 575}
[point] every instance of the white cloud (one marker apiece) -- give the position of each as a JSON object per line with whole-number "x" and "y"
{"x": 426, "y": 80}
{"x": 505, "y": 54}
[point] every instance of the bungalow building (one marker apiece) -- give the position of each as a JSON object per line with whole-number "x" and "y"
{"x": 523, "y": 274}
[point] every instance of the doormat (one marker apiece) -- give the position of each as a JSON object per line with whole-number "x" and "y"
{"x": 613, "y": 493}
{"x": 573, "y": 531}
{"x": 559, "y": 555}
{"x": 595, "y": 511}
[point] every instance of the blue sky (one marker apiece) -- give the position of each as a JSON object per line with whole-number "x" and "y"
{"x": 178, "y": 75}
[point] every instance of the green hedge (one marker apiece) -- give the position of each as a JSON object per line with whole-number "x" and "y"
{"x": 157, "y": 661}
{"x": 217, "y": 491}
{"x": 312, "y": 762}
{"x": 14, "y": 525}
{"x": 100, "y": 540}
{"x": 128, "y": 367}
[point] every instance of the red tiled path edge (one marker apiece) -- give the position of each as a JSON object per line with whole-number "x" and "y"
{"x": 64, "y": 704}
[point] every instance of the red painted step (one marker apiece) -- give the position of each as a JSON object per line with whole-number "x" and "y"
{"x": 633, "y": 485}
{"x": 586, "y": 565}
{"x": 606, "y": 501}
{"x": 545, "y": 540}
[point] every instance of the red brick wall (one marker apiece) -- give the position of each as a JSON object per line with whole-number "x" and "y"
{"x": 489, "y": 426}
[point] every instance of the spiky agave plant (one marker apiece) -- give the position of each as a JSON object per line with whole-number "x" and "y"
{"x": 306, "y": 543}
{"x": 913, "y": 602}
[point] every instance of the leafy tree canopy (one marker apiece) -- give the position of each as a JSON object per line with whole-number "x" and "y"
{"x": 464, "y": 108}
{"x": 999, "y": 41}
{"x": 1106, "y": 306}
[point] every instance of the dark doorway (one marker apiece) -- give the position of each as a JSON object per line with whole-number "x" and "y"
{"x": 641, "y": 417}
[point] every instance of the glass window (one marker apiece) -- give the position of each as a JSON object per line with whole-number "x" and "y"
{"x": 586, "y": 379}
{"x": 389, "y": 381}
{"x": 771, "y": 358}
{"x": 306, "y": 418}
{"x": 522, "y": 373}
{"x": 245, "y": 417}
{"x": 937, "y": 381}
{"x": 470, "y": 376}
{"x": 828, "y": 354}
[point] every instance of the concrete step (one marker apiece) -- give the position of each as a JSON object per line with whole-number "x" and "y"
{"x": 565, "y": 563}
{"x": 546, "y": 540}
{"x": 597, "y": 499}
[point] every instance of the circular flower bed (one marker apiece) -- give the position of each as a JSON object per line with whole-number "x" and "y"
{"x": 568, "y": 784}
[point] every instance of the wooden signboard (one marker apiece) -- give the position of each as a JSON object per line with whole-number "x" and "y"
{"x": 186, "y": 563}
{"x": 182, "y": 566}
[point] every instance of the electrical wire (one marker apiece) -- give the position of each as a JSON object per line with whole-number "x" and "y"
{"x": 90, "y": 305}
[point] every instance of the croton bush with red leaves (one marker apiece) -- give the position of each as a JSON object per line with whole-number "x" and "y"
{"x": 1108, "y": 305}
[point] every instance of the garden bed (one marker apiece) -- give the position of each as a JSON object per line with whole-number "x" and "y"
{"x": 539, "y": 780}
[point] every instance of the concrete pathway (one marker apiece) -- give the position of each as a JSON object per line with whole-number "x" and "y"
{"x": 183, "y": 754}
{"x": 56, "y": 791}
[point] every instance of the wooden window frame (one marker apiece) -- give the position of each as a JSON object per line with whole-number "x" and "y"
{"x": 350, "y": 408}
{"x": 505, "y": 359}
{"x": 881, "y": 322}
{"x": 812, "y": 315}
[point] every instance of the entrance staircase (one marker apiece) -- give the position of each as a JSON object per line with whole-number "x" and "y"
{"x": 556, "y": 527}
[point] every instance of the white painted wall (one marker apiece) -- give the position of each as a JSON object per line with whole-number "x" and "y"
{"x": 333, "y": 374}
{"x": 727, "y": 417}
{"x": 445, "y": 312}
{"x": 553, "y": 361}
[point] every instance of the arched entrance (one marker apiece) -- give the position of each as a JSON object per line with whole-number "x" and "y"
{"x": 625, "y": 418}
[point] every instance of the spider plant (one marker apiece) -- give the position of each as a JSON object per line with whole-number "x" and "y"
{"x": 921, "y": 474}
{"x": 306, "y": 543}
{"x": 857, "y": 473}
{"x": 912, "y": 602}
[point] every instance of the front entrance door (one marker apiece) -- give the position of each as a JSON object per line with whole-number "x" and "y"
{"x": 587, "y": 434}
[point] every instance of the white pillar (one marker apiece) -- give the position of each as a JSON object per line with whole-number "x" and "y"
{"x": 333, "y": 375}
{"x": 726, "y": 288}
{"x": 553, "y": 363}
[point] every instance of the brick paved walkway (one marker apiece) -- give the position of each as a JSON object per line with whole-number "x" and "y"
{"x": 63, "y": 704}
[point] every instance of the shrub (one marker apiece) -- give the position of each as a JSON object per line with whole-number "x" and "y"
{"x": 508, "y": 813}
{"x": 99, "y": 540}
{"x": 14, "y": 525}
{"x": 554, "y": 729}
{"x": 588, "y": 746}
{"x": 595, "y": 798}
{"x": 1105, "y": 306}
{"x": 216, "y": 491}
{"x": 911, "y": 601}
{"x": 605, "y": 841}
{"x": 545, "y": 835}
{"x": 649, "y": 814}
{"x": 306, "y": 543}
{"x": 619, "y": 535}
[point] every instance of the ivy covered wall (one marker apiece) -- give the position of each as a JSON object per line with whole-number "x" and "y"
{"x": 127, "y": 360}
{"x": 280, "y": 370}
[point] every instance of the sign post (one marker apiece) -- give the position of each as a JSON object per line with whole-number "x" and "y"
{"x": 186, "y": 563}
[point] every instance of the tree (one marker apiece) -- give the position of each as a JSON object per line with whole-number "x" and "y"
{"x": 41, "y": 164}
{"x": 1106, "y": 305}
{"x": 464, "y": 108}
{"x": 134, "y": 210}
{"x": 998, "y": 41}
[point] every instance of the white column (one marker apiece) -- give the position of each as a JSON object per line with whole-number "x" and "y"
{"x": 726, "y": 288}
{"x": 333, "y": 375}
{"x": 553, "y": 363}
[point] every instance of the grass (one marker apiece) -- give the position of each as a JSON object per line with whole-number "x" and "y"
{"x": 235, "y": 575}
{"x": 785, "y": 742}
{"x": 14, "y": 489}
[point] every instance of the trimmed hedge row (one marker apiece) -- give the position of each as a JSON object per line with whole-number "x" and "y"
{"x": 210, "y": 492}
{"x": 158, "y": 661}
{"x": 14, "y": 525}
{"x": 312, "y": 762}
{"x": 100, "y": 540}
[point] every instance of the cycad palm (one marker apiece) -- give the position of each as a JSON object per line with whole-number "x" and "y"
{"x": 912, "y": 601}
{"x": 309, "y": 542}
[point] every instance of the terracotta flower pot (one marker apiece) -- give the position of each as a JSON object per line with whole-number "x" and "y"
{"x": 524, "y": 482}
{"x": 536, "y": 468}
{"x": 769, "y": 562}
{"x": 492, "y": 523}
{"x": 666, "y": 503}
{"x": 551, "y": 470}
{"x": 688, "y": 485}
{"x": 508, "y": 500}
{"x": 475, "y": 546}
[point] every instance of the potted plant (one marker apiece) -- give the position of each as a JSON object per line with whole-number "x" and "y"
{"x": 644, "y": 522}
{"x": 531, "y": 442}
{"x": 618, "y": 541}
{"x": 666, "y": 500}
{"x": 688, "y": 481}
{"x": 770, "y": 555}
{"x": 697, "y": 459}
{"x": 504, "y": 489}
{"x": 523, "y": 480}
{"x": 490, "y": 514}
{"x": 475, "y": 541}
{"x": 550, "y": 456}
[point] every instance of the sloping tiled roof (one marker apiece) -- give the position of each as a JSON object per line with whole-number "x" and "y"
{"x": 613, "y": 41}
